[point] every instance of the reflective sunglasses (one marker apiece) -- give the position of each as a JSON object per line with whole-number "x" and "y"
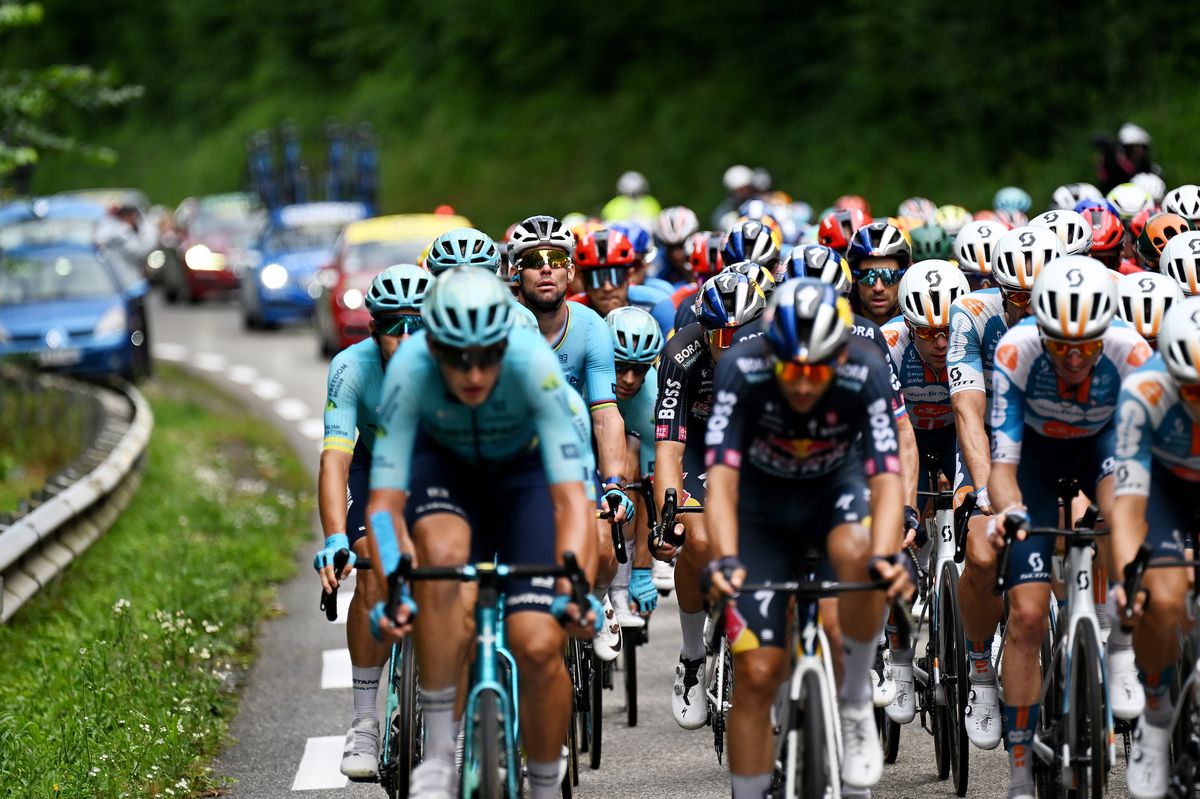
{"x": 1061, "y": 349}
{"x": 722, "y": 337}
{"x": 596, "y": 278}
{"x": 464, "y": 360}
{"x": 639, "y": 369}
{"x": 930, "y": 333}
{"x": 789, "y": 371}
{"x": 1190, "y": 392}
{"x": 1017, "y": 299}
{"x": 890, "y": 277}
{"x": 399, "y": 325}
{"x": 537, "y": 259}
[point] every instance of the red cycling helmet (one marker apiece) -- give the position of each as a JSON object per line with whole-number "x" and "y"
{"x": 1138, "y": 222}
{"x": 604, "y": 247}
{"x": 703, "y": 252}
{"x": 849, "y": 201}
{"x": 838, "y": 227}
{"x": 1107, "y": 231}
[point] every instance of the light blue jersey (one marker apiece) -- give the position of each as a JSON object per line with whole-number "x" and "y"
{"x": 529, "y": 408}
{"x": 585, "y": 354}
{"x": 1153, "y": 425}
{"x": 638, "y": 413}
{"x": 355, "y": 384}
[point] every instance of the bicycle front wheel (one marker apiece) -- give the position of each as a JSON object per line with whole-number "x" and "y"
{"x": 596, "y": 717}
{"x": 487, "y": 782}
{"x": 952, "y": 662}
{"x": 807, "y": 734}
{"x": 1086, "y": 733}
{"x": 404, "y": 740}
{"x": 631, "y": 648}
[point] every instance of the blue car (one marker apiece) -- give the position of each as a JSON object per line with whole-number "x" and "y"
{"x": 297, "y": 241}
{"x": 70, "y": 308}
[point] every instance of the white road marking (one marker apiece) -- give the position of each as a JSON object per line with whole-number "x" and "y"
{"x": 267, "y": 389}
{"x": 166, "y": 351}
{"x": 320, "y": 768}
{"x": 345, "y": 594}
{"x": 335, "y": 668}
{"x": 291, "y": 410}
{"x": 242, "y": 374}
{"x": 313, "y": 428}
{"x": 210, "y": 361}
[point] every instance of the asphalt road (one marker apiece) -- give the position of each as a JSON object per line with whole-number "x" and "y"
{"x": 288, "y": 732}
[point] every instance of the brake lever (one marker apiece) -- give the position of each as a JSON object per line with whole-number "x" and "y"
{"x": 329, "y": 601}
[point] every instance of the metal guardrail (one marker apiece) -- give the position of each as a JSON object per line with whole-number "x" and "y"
{"x": 81, "y": 502}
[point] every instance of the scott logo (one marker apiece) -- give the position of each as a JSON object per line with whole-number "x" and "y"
{"x": 1026, "y": 239}
{"x": 1146, "y": 285}
{"x": 1074, "y": 278}
{"x": 934, "y": 278}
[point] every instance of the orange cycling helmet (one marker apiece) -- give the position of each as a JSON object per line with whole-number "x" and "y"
{"x": 838, "y": 227}
{"x": 1159, "y": 229}
{"x": 604, "y": 247}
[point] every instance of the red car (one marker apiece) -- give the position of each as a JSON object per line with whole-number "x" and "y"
{"x": 216, "y": 247}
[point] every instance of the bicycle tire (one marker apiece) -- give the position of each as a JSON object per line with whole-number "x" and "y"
{"x": 1047, "y": 777}
{"x": 489, "y": 784}
{"x": 1185, "y": 737}
{"x": 596, "y": 714}
{"x": 807, "y": 732}
{"x": 1084, "y": 717}
{"x": 404, "y": 742}
{"x": 718, "y": 714}
{"x": 890, "y": 733}
{"x": 952, "y": 661}
{"x": 631, "y": 709}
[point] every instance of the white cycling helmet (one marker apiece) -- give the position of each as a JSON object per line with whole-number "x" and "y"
{"x": 1021, "y": 254}
{"x": 1067, "y": 196}
{"x": 1130, "y": 200}
{"x": 467, "y": 307}
{"x": 738, "y": 176}
{"x": 1074, "y": 298}
{"x": 632, "y": 184}
{"x": 1143, "y": 298}
{"x": 974, "y": 245}
{"x": 675, "y": 224}
{"x": 540, "y": 232}
{"x": 926, "y": 291}
{"x": 1072, "y": 229}
{"x": 918, "y": 207}
{"x": 1131, "y": 134}
{"x": 1180, "y": 259}
{"x": 1179, "y": 341}
{"x": 1185, "y": 201}
{"x": 1152, "y": 184}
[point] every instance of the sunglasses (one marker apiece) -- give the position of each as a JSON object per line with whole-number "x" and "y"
{"x": 890, "y": 277}
{"x": 639, "y": 369}
{"x": 789, "y": 371}
{"x": 402, "y": 325}
{"x": 1017, "y": 299}
{"x": 1061, "y": 349}
{"x": 539, "y": 259}
{"x": 596, "y": 278}
{"x": 930, "y": 333}
{"x": 722, "y": 337}
{"x": 464, "y": 360}
{"x": 1190, "y": 392}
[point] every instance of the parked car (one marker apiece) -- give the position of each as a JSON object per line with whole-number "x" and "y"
{"x": 297, "y": 241}
{"x": 364, "y": 250}
{"x": 216, "y": 246}
{"x": 139, "y": 244}
{"x": 72, "y": 308}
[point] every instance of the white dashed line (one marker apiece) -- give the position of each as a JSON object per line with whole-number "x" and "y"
{"x": 320, "y": 768}
{"x": 291, "y": 410}
{"x": 345, "y": 594}
{"x": 313, "y": 428}
{"x": 210, "y": 361}
{"x": 242, "y": 374}
{"x": 166, "y": 351}
{"x": 335, "y": 668}
{"x": 267, "y": 389}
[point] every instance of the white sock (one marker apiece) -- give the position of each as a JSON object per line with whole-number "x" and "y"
{"x": 624, "y": 571}
{"x": 692, "y": 626}
{"x": 440, "y": 728}
{"x": 754, "y": 786}
{"x": 366, "y": 686}
{"x": 856, "y": 679}
{"x": 1118, "y": 640}
{"x": 543, "y": 779}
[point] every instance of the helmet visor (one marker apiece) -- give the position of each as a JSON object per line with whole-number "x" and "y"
{"x": 541, "y": 258}
{"x": 867, "y": 277}
{"x": 464, "y": 360}
{"x": 596, "y": 278}
{"x": 789, "y": 371}
{"x": 399, "y": 325}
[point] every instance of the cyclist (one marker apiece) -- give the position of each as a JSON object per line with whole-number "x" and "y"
{"x": 787, "y": 474}
{"x": 704, "y": 260}
{"x": 1012, "y": 198}
{"x": 645, "y": 252}
{"x": 879, "y": 254}
{"x": 633, "y": 200}
{"x": 605, "y": 258}
{"x": 685, "y": 400}
{"x": 918, "y": 208}
{"x": 1181, "y": 260}
{"x": 1072, "y": 230}
{"x": 837, "y": 228}
{"x": 1108, "y": 237}
{"x": 483, "y": 435}
{"x": 951, "y": 218}
{"x": 750, "y": 248}
{"x": 355, "y": 378}
{"x": 1158, "y": 474}
{"x": 931, "y": 242}
{"x": 1055, "y": 383}
{"x": 973, "y": 250}
{"x": 977, "y": 323}
{"x": 739, "y": 187}
{"x": 917, "y": 344}
{"x": 637, "y": 342}
{"x": 675, "y": 225}
{"x": 1143, "y": 300}
{"x": 1159, "y": 229}
{"x": 462, "y": 246}
{"x": 1185, "y": 201}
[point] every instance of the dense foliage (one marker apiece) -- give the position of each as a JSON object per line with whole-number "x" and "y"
{"x": 506, "y": 107}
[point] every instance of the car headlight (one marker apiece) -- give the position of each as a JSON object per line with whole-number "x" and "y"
{"x": 156, "y": 259}
{"x": 201, "y": 258}
{"x": 352, "y": 299}
{"x": 111, "y": 321}
{"x": 273, "y": 277}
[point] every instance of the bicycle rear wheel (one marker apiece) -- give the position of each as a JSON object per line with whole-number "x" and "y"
{"x": 1084, "y": 721}
{"x": 718, "y": 711}
{"x": 1047, "y": 777}
{"x": 1185, "y": 738}
{"x": 952, "y": 662}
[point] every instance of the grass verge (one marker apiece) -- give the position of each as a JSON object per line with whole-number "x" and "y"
{"x": 118, "y": 678}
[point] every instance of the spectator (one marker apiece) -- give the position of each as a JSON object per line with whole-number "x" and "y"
{"x": 1120, "y": 160}
{"x": 633, "y": 201}
{"x": 739, "y": 187}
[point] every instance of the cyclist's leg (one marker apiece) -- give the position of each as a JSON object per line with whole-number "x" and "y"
{"x": 689, "y": 702}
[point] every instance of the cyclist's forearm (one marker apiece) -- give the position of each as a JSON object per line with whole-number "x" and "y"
{"x": 720, "y": 510}
{"x": 668, "y": 469}
{"x": 887, "y": 514}
{"x": 1002, "y": 486}
{"x": 609, "y": 429}
{"x": 331, "y": 490}
{"x": 969, "y": 408}
{"x": 910, "y": 459}
{"x": 1128, "y": 529}
{"x": 391, "y": 501}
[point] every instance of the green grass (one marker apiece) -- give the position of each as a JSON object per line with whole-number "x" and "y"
{"x": 117, "y": 679}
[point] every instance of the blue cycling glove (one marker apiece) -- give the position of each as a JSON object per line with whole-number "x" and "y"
{"x": 334, "y": 543}
{"x": 626, "y": 503}
{"x": 379, "y": 610}
{"x": 558, "y": 609}
{"x": 642, "y": 590}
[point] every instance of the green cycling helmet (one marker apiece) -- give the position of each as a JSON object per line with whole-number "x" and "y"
{"x": 398, "y": 288}
{"x": 930, "y": 241}
{"x": 464, "y": 246}
{"x": 468, "y": 307}
{"x": 636, "y": 336}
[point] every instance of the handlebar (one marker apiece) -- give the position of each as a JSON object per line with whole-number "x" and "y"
{"x": 618, "y": 538}
{"x": 962, "y": 517}
{"x": 1082, "y": 535}
{"x": 645, "y": 487}
{"x": 329, "y": 601}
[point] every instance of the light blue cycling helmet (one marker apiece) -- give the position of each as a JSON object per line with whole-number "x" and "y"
{"x": 464, "y": 246}
{"x": 523, "y": 317}
{"x": 398, "y": 288}
{"x": 467, "y": 307}
{"x": 637, "y": 338}
{"x": 1012, "y": 198}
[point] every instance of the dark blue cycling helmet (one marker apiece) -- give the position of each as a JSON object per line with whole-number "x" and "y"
{"x": 808, "y": 321}
{"x": 1096, "y": 202}
{"x": 816, "y": 260}
{"x": 751, "y": 241}
{"x": 643, "y": 242}
{"x": 729, "y": 299}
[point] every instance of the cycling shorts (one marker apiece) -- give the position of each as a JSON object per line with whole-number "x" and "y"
{"x": 507, "y": 506}
{"x": 1172, "y": 513}
{"x": 782, "y": 524}
{"x": 942, "y": 443}
{"x": 357, "y": 488}
{"x": 1044, "y": 461}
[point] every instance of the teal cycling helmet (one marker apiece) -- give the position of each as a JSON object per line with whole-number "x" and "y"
{"x": 1012, "y": 198}
{"x": 464, "y": 246}
{"x": 468, "y": 307}
{"x": 637, "y": 338}
{"x": 523, "y": 317}
{"x": 398, "y": 288}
